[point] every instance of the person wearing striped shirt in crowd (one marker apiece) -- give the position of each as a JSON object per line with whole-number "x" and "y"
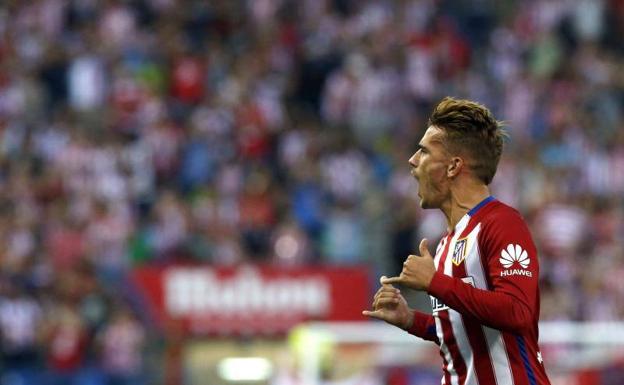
{"x": 483, "y": 278}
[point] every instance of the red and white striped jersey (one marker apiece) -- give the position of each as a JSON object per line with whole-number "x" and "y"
{"x": 485, "y": 301}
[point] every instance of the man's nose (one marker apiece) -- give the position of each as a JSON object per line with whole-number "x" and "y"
{"x": 413, "y": 161}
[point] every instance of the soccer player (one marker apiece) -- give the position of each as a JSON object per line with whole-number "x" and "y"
{"x": 483, "y": 279}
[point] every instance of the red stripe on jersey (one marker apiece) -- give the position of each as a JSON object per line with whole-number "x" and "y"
{"x": 482, "y": 360}
{"x": 451, "y": 344}
{"x": 447, "y": 328}
{"x": 447, "y": 375}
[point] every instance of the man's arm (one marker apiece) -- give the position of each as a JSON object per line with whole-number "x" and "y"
{"x": 423, "y": 326}
{"x": 511, "y": 302}
{"x": 496, "y": 309}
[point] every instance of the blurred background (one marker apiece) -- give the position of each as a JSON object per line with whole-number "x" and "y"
{"x": 184, "y": 185}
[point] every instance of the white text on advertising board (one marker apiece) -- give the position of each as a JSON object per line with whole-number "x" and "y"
{"x": 200, "y": 291}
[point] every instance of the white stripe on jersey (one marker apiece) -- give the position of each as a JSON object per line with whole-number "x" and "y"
{"x": 473, "y": 265}
{"x": 447, "y": 354}
{"x": 496, "y": 346}
{"x": 459, "y": 331}
{"x": 500, "y": 361}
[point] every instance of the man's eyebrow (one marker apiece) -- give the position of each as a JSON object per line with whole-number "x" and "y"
{"x": 421, "y": 146}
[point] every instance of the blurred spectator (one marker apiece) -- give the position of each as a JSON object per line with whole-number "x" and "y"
{"x": 20, "y": 331}
{"x": 67, "y": 344}
{"x": 122, "y": 342}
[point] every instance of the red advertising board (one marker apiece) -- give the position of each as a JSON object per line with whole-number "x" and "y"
{"x": 253, "y": 299}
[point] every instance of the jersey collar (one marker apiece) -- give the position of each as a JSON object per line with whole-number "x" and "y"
{"x": 466, "y": 218}
{"x": 484, "y": 202}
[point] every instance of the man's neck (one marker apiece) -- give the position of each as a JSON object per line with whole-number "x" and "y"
{"x": 461, "y": 201}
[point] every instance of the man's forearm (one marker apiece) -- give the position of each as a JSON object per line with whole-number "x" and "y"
{"x": 423, "y": 326}
{"x": 495, "y": 309}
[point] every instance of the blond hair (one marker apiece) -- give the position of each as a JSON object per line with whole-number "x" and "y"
{"x": 471, "y": 129}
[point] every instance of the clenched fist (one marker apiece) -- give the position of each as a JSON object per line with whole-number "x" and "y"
{"x": 390, "y": 306}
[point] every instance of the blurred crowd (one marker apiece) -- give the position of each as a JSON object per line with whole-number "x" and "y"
{"x": 138, "y": 132}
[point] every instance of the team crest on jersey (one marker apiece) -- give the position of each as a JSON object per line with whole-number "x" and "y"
{"x": 459, "y": 253}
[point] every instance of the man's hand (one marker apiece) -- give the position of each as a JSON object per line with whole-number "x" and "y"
{"x": 418, "y": 271}
{"x": 390, "y": 306}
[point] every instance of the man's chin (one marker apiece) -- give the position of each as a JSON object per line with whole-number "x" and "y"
{"x": 424, "y": 204}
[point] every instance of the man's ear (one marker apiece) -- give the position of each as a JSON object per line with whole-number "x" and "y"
{"x": 454, "y": 167}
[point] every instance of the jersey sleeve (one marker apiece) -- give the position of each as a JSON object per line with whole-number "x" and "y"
{"x": 424, "y": 327}
{"x": 510, "y": 262}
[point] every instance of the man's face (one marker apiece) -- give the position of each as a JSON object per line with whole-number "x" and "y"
{"x": 429, "y": 165}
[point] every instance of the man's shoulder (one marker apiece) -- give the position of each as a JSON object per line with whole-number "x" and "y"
{"x": 501, "y": 226}
{"x": 498, "y": 213}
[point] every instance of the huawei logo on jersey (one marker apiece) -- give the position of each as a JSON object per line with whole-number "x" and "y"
{"x": 512, "y": 254}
